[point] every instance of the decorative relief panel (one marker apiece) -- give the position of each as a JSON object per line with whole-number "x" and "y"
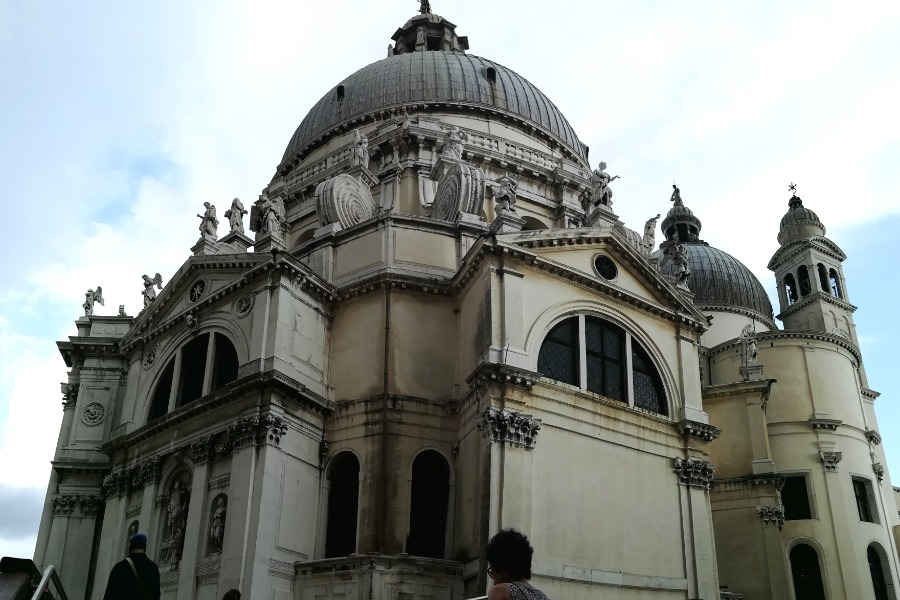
{"x": 460, "y": 189}
{"x": 93, "y": 414}
{"x": 771, "y": 515}
{"x": 344, "y": 199}
{"x": 694, "y": 472}
{"x": 150, "y": 356}
{"x": 244, "y": 304}
{"x": 509, "y": 427}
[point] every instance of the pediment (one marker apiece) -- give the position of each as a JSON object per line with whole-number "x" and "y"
{"x": 636, "y": 280}
{"x": 200, "y": 281}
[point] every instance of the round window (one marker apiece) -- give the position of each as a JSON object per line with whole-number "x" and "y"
{"x": 606, "y": 268}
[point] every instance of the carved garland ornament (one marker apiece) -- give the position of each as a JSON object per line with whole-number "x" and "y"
{"x": 509, "y": 427}
{"x": 460, "y": 189}
{"x": 694, "y": 472}
{"x": 344, "y": 199}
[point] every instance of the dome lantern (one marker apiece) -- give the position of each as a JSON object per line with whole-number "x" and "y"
{"x": 799, "y": 222}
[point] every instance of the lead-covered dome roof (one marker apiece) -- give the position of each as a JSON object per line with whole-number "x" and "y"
{"x": 447, "y": 77}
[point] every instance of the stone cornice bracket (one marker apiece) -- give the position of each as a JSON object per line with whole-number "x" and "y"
{"x": 64, "y": 505}
{"x": 771, "y": 515}
{"x": 694, "y": 472}
{"x": 508, "y": 427}
{"x": 70, "y": 394}
{"x": 830, "y": 460}
{"x": 700, "y": 431}
{"x": 873, "y": 436}
{"x": 818, "y": 422}
{"x": 487, "y": 373}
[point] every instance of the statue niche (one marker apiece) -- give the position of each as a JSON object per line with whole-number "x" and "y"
{"x": 176, "y": 502}
{"x": 459, "y": 190}
{"x": 216, "y": 533}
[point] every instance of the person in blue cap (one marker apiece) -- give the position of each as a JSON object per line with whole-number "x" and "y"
{"x": 136, "y": 577}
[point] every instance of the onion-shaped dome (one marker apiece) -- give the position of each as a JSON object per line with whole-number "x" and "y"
{"x": 799, "y": 223}
{"x": 720, "y": 281}
{"x": 442, "y": 75}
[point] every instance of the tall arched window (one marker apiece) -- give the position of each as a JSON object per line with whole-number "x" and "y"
{"x": 823, "y": 278}
{"x": 790, "y": 289}
{"x": 343, "y": 505}
{"x": 835, "y": 284}
{"x": 601, "y": 357}
{"x": 876, "y": 568}
{"x": 428, "y": 503}
{"x": 806, "y": 573}
{"x": 203, "y": 365}
{"x": 805, "y": 283}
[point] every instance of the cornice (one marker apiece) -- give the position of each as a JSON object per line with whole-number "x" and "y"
{"x": 805, "y": 336}
{"x": 818, "y": 295}
{"x": 870, "y": 393}
{"x": 823, "y": 244}
{"x": 738, "y": 388}
{"x": 765, "y": 320}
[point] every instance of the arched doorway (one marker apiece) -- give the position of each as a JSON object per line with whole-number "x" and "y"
{"x": 806, "y": 573}
{"x": 429, "y": 500}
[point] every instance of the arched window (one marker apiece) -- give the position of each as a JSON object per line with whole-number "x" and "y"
{"x": 805, "y": 283}
{"x": 876, "y": 568}
{"x": 823, "y": 278}
{"x": 428, "y": 502}
{"x": 601, "y": 357}
{"x": 835, "y": 284}
{"x": 343, "y": 505}
{"x": 790, "y": 288}
{"x": 203, "y": 365}
{"x": 806, "y": 573}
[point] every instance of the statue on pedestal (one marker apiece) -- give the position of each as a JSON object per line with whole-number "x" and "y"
{"x": 452, "y": 145}
{"x": 676, "y": 196}
{"x": 505, "y": 193}
{"x": 217, "y": 525}
{"x": 235, "y": 216}
{"x": 649, "y": 239}
{"x": 600, "y": 191}
{"x": 359, "y": 149}
{"x": 90, "y": 297}
{"x": 209, "y": 223}
{"x": 149, "y": 292}
{"x": 749, "y": 348}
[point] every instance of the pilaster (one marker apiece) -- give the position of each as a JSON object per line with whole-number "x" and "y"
{"x": 187, "y": 580}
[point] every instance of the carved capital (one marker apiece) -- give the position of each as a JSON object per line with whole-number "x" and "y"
{"x": 508, "y": 427}
{"x": 878, "y": 468}
{"x": 873, "y": 436}
{"x": 694, "y": 472}
{"x": 67, "y": 505}
{"x": 830, "y": 460}
{"x": 90, "y": 505}
{"x": 69, "y": 394}
{"x": 701, "y": 431}
{"x": 203, "y": 449}
{"x": 771, "y": 515}
{"x": 265, "y": 429}
{"x": 64, "y": 504}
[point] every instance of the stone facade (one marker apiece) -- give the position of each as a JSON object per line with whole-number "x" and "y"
{"x": 400, "y": 369}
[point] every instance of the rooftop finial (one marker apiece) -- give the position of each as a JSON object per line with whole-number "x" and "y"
{"x": 793, "y": 188}
{"x": 424, "y": 7}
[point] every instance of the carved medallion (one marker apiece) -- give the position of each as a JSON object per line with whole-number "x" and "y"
{"x": 150, "y": 356}
{"x": 461, "y": 189}
{"x": 197, "y": 290}
{"x": 243, "y": 305}
{"x": 344, "y": 199}
{"x": 93, "y": 414}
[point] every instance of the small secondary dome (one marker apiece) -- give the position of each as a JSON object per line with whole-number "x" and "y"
{"x": 799, "y": 223}
{"x": 429, "y": 67}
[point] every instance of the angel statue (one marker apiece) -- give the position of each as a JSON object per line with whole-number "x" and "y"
{"x": 235, "y": 216}
{"x": 149, "y": 292}
{"x": 600, "y": 192}
{"x": 359, "y": 149}
{"x": 209, "y": 223}
{"x": 90, "y": 297}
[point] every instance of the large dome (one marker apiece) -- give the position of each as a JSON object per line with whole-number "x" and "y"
{"x": 435, "y": 78}
{"x": 719, "y": 280}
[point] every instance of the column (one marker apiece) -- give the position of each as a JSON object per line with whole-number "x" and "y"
{"x": 176, "y": 380}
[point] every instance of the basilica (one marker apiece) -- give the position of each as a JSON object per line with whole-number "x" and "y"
{"x": 433, "y": 327}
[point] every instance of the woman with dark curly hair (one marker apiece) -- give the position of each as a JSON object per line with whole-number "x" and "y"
{"x": 509, "y": 565}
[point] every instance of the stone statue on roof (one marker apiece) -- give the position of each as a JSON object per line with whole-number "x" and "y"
{"x": 505, "y": 193}
{"x": 235, "y": 216}
{"x": 149, "y": 292}
{"x": 676, "y": 196}
{"x": 209, "y": 223}
{"x": 452, "y": 145}
{"x": 649, "y": 239}
{"x": 749, "y": 347}
{"x": 90, "y": 297}
{"x": 678, "y": 254}
{"x": 600, "y": 191}
{"x": 424, "y": 7}
{"x": 359, "y": 149}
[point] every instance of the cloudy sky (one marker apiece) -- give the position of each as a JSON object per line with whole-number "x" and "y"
{"x": 120, "y": 119}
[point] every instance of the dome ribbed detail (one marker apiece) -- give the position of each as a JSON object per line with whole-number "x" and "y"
{"x": 799, "y": 223}
{"x": 720, "y": 280}
{"x": 450, "y": 79}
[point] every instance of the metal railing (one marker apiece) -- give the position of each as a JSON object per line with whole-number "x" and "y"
{"x": 48, "y": 576}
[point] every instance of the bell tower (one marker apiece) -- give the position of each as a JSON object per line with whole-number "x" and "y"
{"x": 812, "y": 291}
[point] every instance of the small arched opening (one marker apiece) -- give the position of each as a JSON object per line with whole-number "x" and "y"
{"x": 790, "y": 289}
{"x": 835, "y": 284}
{"x": 532, "y": 224}
{"x": 492, "y": 74}
{"x": 806, "y": 573}
{"x": 823, "y": 278}
{"x": 428, "y": 504}
{"x": 880, "y": 582}
{"x": 305, "y": 236}
{"x": 343, "y": 505}
{"x": 804, "y": 281}
{"x": 340, "y": 93}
